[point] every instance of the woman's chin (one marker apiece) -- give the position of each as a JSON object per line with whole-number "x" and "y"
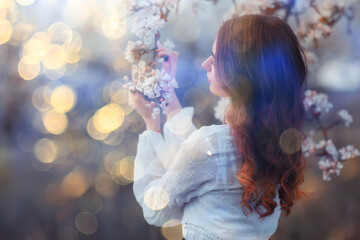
{"x": 211, "y": 90}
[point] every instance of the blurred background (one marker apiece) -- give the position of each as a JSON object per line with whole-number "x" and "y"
{"x": 68, "y": 138}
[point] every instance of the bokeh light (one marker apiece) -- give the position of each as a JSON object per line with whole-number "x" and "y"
{"x": 55, "y": 56}
{"x": 55, "y": 122}
{"x": 40, "y": 166}
{"x": 156, "y": 198}
{"x": 172, "y": 230}
{"x": 182, "y": 126}
{"x": 123, "y": 171}
{"x": 63, "y": 99}
{"x": 54, "y": 74}
{"x": 45, "y": 150}
{"x": 187, "y": 29}
{"x": 111, "y": 158}
{"x": 75, "y": 183}
{"x": 53, "y": 49}
{"x": 7, "y": 4}
{"x": 115, "y": 137}
{"x": 104, "y": 185}
{"x": 290, "y": 141}
{"x": 76, "y": 13}
{"x": 60, "y": 33}
{"x": 41, "y": 98}
{"x": 6, "y": 31}
{"x": 36, "y": 48}
{"x": 93, "y": 132}
{"x": 108, "y": 118}
{"x": 25, "y": 2}
{"x": 28, "y": 68}
{"x": 86, "y": 222}
{"x": 120, "y": 96}
{"x": 113, "y": 26}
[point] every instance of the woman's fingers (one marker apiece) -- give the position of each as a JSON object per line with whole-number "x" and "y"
{"x": 171, "y": 60}
{"x": 167, "y": 51}
{"x": 172, "y": 57}
{"x": 138, "y": 102}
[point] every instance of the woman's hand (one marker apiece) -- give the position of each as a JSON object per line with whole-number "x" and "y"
{"x": 138, "y": 102}
{"x": 171, "y": 58}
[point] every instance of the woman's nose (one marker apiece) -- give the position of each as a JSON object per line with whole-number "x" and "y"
{"x": 205, "y": 65}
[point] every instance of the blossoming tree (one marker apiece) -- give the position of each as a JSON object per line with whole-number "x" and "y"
{"x": 154, "y": 83}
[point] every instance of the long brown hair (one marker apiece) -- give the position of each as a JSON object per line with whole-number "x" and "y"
{"x": 262, "y": 68}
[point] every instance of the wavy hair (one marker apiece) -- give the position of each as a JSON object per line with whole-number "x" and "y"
{"x": 262, "y": 68}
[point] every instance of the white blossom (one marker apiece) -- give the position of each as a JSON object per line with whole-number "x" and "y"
{"x": 348, "y": 152}
{"x": 331, "y": 149}
{"x": 146, "y": 27}
{"x": 153, "y": 83}
{"x": 126, "y": 78}
{"x": 312, "y": 60}
{"x": 129, "y": 50}
{"x": 155, "y": 113}
{"x": 148, "y": 91}
{"x": 157, "y": 89}
{"x": 320, "y": 144}
{"x": 168, "y": 44}
{"x": 329, "y": 167}
{"x": 138, "y": 69}
{"x": 327, "y": 7}
{"x": 325, "y": 163}
{"x": 140, "y": 86}
{"x": 320, "y": 30}
{"x": 318, "y": 100}
{"x": 328, "y": 146}
{"x": 308, "y": 146}
{"x": 221, "y": 108}
{"x": 344, "y": 114}
{"x": 165, "y": 4}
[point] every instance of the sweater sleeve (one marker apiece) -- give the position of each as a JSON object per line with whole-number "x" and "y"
{"x": 176, "y": 130}
{"x": 163, "y": 193}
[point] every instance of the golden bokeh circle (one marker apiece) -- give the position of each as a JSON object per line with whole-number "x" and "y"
{"x": 86, "y": 222}
{"x": 40, "y": 98}
{"x": 45, "y": 150}
{"x": 172, "y": 230}
{"x": 28, "y": 68}
{"x": 108, "y": 118}
{"x": 156, "y": 198}
{"x": 63, "y": 99}
{"x": 55, "y": 122}
{"x": 75, "y": 183}
{"x": 93, "y": 132}
{"x": 290, "y": 141}
{"x": 6, "y": 31}
{"x": 55, "y": 57}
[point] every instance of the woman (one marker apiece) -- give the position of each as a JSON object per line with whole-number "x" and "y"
{"x": 230, "y": 181}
